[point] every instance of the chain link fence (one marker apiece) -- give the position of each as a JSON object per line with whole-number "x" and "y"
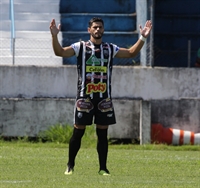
{"x": 174, "y": 57}
{"x": 32, "y": 51}
{"x": 28, "y": 51}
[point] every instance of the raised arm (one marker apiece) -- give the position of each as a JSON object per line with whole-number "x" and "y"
{"x": 135, "y": 49}
{"x": 58, "y": 49}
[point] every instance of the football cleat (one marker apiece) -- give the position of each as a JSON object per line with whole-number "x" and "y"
{"x": 104, "y": 172}
{"x": 69, "y": 171}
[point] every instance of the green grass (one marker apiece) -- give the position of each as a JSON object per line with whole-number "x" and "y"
{"x": 61, "y": 133}
{"x": 42, "y": 165}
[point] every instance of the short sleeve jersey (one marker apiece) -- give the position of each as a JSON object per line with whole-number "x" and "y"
{"x": 94, "y": 65}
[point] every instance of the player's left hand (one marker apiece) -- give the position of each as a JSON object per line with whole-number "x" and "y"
{"x": 53, "y": 28}
{"x": 146, "y": 30}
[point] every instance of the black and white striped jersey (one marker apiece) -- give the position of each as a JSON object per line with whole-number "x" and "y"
{"x": 94, "y": 65}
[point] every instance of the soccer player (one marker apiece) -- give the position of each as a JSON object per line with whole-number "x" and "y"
{"x": 93, "y": 100}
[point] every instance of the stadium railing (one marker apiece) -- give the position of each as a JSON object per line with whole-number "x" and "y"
{"x": 12, "y": 39}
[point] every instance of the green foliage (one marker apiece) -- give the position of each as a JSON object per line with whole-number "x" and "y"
{"x": 58, "y": 133}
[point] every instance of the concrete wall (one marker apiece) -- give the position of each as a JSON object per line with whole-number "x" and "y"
{"x": 34, "y": 98}
{"x": 128, "y": 82}
{"x": 179, "y": 114}
{"x": 28, "y": 117}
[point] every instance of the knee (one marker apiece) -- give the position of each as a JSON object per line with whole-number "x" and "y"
{"x": 78, "y": 133}
{"x": 102, "y": 134}
{"x": 79, "y": 126}
{"x": 102, "y": 126}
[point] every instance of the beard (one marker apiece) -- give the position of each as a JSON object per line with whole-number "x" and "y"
{"x": 97, "y": 36}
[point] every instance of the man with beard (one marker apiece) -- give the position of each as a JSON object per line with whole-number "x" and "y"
{"x": 94, "y": 101}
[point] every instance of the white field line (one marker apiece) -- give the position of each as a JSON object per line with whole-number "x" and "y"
{"x": 15, "y": 181}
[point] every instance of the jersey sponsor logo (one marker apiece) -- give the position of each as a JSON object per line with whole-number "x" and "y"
{"x": 93, "y": 60}
{"x": 105, "y": 105}
{"x": 89, "y": 76}
{"x": 96, "y": 69}
{"x": 94, "y": 88}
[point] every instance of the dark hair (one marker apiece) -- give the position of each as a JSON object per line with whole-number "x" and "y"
{"x": 95, "y": 19}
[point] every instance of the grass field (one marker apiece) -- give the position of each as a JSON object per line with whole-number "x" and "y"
{"x": 42, "y": 165}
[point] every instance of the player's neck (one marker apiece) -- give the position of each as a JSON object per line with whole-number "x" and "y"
{"x": 96, "y": 41}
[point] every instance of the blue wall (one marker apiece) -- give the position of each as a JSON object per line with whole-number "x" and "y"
{"x": 119, "y": 21}
{"x": 114, "y": 22}
{"x": 96, "y": 6}
{"x": 176, "y": 22}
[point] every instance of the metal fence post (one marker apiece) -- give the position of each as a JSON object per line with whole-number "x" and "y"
{"x": 141, "y": 7}
{"x": 12, "y": 48}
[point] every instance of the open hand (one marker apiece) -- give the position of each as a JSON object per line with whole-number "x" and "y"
{"x": 146, "y": 30}
{"x": 53, "y": 28}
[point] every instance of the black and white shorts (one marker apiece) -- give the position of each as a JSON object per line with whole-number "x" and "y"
{"x": 98, "y": 111}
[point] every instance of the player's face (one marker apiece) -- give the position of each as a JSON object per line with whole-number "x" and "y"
{"x": 96, "y": 30}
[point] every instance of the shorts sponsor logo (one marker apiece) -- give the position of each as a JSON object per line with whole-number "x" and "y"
{"x": 105, "y": 105}
{"x": 80, "y": 115}
{"x": 94, "y": 88}
{"x": 96, "y": 69}
{"x": 84, "y": 105}
{"x": 109, "y": 115}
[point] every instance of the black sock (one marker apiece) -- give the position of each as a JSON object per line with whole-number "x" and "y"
{"x": 102, "y": 147}
{"x": 74, "y": 145}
